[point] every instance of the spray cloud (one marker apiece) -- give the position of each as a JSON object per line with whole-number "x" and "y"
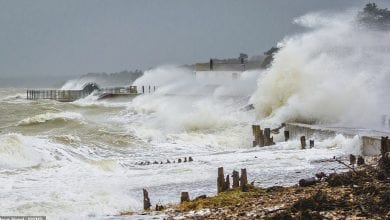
{"x": 336, "y": 73}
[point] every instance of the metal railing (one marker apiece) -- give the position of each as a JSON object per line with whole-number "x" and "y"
{"x": 73, "y": 95}
{"x": 59, "y": 95}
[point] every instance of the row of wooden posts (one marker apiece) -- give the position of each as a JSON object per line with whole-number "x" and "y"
{"x": 180, "y": 160}
{"x": 150, "y": 89}
{"x": 223, "y": 184}
{"x": 263, "y": 137}
{"x": 239, "y": 181}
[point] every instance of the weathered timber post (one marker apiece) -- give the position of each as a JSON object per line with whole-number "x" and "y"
{"x": 268, "y": 141}
{"x": 286, "y": 135}
{"x": 360, "y": 160}
{"x": 254, "y": 135}
{"x": 179, "y": 160}
{"x": 220, "y": 180}
{"x": 311, "y": 143}
{"x": 211, "y": 64}
{"x": 190, "y": 159}
{"x": 303, "y": 142}
{"x": 352, "y": 159}
{"x": 384, "y": 145}
{"x": 236, "y": 179}
{"x": 185, "y": 197}
{"x": 227, "y": 183}
{"x": 185, "y": 159}
{"x": 259, "y": 138}
{"x": 143, "y": 89}
{"x": 243, "y": 180}
{"x": 149, "y": 88}
{"x": 159, "y": 207}
{"x": 147, "y": 204}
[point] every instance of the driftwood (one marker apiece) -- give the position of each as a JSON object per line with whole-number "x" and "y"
{"x": 320, "y": 175}
{"x": 341, "y": 162}
{"x": 307, "y": 182}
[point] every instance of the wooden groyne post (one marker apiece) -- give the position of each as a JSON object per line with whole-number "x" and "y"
{"x": 236, "y": 179}
{"x": 384, "y": 145}
{"x": 258, "y": 136}
{"x": 184, "y": 197}
{"x": 286, "y": 135}
{"x": 268, "y": 140}
{"x": 222, "y": 183}
{"x": 303, "y": 142}
{"x": 147, "y": 204}
{"x": 244, "y": 180}
{"x": 311, "y": 143}
{"x": 220, "y": 180}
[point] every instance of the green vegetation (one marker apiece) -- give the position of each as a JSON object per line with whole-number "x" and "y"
{"x": 231, "y": 197}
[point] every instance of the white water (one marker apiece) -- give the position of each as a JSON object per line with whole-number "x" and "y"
{"x": 80, "y": 160}
{"x": 336, "y": 72}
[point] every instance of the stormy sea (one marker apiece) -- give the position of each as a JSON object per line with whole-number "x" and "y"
{"x": 91, "y": 158}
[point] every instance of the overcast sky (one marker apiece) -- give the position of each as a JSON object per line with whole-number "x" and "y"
{"x": 70, "y": 37}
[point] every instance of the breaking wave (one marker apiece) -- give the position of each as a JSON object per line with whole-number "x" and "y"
{"x": 18, "y": 151}
{"x": 337, "y": 72}
{"x": 52, "y": 117}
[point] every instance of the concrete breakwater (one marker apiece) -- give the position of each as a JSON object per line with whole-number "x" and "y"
{"x": 370, "y": 139}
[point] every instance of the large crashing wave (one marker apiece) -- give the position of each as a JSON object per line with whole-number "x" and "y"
{"x": 337, "y": 72}
{"x": 124, "y": 78}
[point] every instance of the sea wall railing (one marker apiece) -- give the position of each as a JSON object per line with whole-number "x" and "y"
{"x": 59, "y": 95}
{"x": 73, "y": 95}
